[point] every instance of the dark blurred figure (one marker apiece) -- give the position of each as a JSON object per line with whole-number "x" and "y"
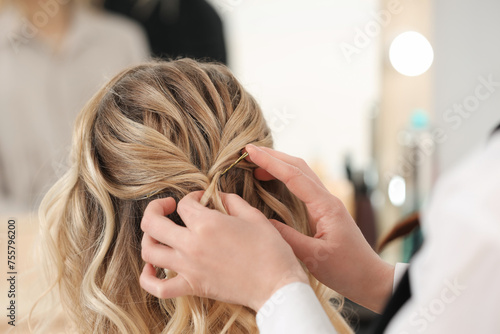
{"x": 177, "y": 28}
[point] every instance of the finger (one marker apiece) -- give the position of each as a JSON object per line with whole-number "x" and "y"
{"x": 259, "y": 173}
{"x": 156, "y": 209}
{"x": 162, "y": 206}
{"x": 294, "y": 161}
{"x": 160, "y": 227}
{"x": 291, "y": 160}
{"x": 262, "y": 174}
{"x": 305, "y": 188}
{"x": 155, "y": 253}
{"x": 163, "y": 288}
{"x": 300, "y": 243}
{"x": 195, "y": 196}
{"x": 190, "y": 209}
{"x": 238, "y": 207}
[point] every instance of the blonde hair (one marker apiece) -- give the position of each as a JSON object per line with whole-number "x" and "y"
{"x": 163, "y": 128}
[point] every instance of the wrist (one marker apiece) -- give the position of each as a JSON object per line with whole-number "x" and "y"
{"x": 291, "y": 276}
{"x": 380, "y": 287}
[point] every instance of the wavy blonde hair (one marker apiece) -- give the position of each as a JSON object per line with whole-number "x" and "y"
{"x": 163, "y": 128}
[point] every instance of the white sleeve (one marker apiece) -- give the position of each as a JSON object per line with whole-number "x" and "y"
{"x": 294, "y": 309}
{"x": 454, "y": 277}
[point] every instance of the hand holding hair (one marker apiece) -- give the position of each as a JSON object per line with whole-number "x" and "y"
{"x": 241, "y": 259}
{"x": 238, "y": 258}
{"x": 338, "y": 255}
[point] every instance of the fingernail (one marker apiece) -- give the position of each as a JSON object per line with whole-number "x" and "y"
{"x": 251, "y": 150}
{"x": 253, "y": 147}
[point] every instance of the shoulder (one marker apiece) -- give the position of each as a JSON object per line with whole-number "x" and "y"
{"x": 469, "y": 191}
{"x": 461, "y": 222}
{"x": 113, "y": 28}
{"x": 10, "y": 24}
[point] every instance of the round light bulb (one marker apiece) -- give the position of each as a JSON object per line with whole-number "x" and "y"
{"x": 411, "y": 54}
{"x": 397, "y": 190}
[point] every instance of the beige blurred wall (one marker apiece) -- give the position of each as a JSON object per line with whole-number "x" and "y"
{"x": 288, "y": 54}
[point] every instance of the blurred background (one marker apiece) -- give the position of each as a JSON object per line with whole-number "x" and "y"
{"x": 379, "y": 97}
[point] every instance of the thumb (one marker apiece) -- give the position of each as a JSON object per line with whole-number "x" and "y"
{"x": 301, "y": 244}
{"x": 163, "y": 288}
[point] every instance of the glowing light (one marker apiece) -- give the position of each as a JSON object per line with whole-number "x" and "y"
{"x": 397, "y": 191}
{"x": 411, "y": 54}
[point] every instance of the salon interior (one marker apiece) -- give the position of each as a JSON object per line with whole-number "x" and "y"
{"x": 379, "y": 97}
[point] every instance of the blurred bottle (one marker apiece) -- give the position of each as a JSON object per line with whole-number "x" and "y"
{"x": 418, "y": 157}
{"x": 418, "y": 168}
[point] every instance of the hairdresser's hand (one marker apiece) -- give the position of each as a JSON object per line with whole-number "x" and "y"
{"x": 338, "y": 254}
{"x": 238, "y": 258}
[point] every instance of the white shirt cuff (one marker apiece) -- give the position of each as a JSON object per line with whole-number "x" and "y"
{"x": 294, "y": 309}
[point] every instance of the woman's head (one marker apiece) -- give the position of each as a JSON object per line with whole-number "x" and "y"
{"x": 156, "y": 130}
{"x": 171, "y": 128}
